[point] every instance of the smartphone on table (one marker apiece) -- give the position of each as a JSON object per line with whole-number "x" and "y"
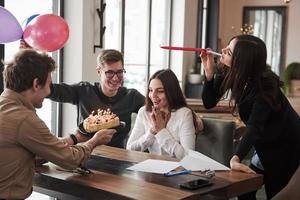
{"x": 196, "y": 184}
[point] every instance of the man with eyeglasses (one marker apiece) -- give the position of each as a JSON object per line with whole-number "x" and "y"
{"x": 108, "y": 93}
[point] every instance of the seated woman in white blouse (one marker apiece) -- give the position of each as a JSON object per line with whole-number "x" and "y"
{"x": 165, "y": 125}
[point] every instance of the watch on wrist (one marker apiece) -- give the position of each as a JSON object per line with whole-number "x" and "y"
{"x": 74, "y": 138}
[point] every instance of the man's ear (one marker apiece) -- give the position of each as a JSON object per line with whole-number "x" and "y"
{"x": 35, "y": 84}
{"x": 98, "y": 69}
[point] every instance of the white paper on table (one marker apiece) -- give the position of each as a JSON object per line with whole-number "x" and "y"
{"x": 155, "y": 166}
{"x": 196, "y": 161}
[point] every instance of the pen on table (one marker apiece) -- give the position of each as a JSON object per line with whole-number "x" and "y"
{"x": 175, "y": 173}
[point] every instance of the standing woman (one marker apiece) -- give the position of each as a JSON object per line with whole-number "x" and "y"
{"x": 165, "y": 125}
{"x": 273, "y": 127}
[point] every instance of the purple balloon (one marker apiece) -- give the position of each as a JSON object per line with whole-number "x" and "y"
{"x": 10, "y": 28}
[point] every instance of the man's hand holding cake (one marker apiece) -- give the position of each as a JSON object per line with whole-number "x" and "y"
{"x": 103, "y": 119}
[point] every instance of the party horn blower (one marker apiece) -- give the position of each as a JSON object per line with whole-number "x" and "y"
{"x": 190, "y": 49}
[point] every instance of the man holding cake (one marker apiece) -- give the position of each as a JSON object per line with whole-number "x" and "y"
{"x": 23, "y": 135}
{"x": 106, "y": 94}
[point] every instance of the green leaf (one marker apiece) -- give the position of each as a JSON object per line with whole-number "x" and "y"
{"x": 292, "y": 72}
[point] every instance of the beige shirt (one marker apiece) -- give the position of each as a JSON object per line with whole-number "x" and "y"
{"x": 23, "y": 135}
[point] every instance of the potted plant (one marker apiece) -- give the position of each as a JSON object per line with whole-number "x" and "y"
{"x": 194, "y": 77}
{"x": 291, "y": 78}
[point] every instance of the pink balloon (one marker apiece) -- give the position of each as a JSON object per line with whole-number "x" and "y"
{"x": 10, "y": 28}
{"x": 46, "y": 32}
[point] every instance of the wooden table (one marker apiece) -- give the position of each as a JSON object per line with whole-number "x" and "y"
{"x": 197, "y": 106}
{"x": 110, "y": 180}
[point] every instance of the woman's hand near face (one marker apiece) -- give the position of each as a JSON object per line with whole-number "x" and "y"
{"x": 208, "y": 63}
{"x": 159, "y": 120}
{"x": 236, "y": 165}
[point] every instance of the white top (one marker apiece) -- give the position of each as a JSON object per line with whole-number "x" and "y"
{"x": 175, "y": 140}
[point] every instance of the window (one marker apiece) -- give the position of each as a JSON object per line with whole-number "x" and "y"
{"x": 160, "y": 34}
{"x": 138, "y": 28}
{"x": 22, "y": 10}
{"x": 269, "y": 25}
{"x": 113, "y": 23}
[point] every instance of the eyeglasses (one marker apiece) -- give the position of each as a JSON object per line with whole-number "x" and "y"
{"x": 110, "y": 73}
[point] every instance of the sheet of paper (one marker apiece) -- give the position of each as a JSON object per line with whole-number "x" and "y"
{"x": 197, "y": 161}
{"x": 155, "y": 166}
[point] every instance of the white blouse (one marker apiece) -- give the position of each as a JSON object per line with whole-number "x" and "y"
{"x": 175, "y": 140}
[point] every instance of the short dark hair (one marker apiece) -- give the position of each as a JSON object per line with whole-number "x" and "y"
{"x": 172, "y": 89}
{"x": 109, "y": 56}
{"x": 27, "y": 65}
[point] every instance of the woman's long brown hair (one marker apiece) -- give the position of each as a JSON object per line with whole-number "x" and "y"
{"x": 249, "y": 67}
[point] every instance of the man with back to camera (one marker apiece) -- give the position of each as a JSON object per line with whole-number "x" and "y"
{"x": 23, "y": 135}
{"x": 108, "y": 93}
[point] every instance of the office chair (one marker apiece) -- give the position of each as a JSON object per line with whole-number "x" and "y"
{"x": 216, "y": 139}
